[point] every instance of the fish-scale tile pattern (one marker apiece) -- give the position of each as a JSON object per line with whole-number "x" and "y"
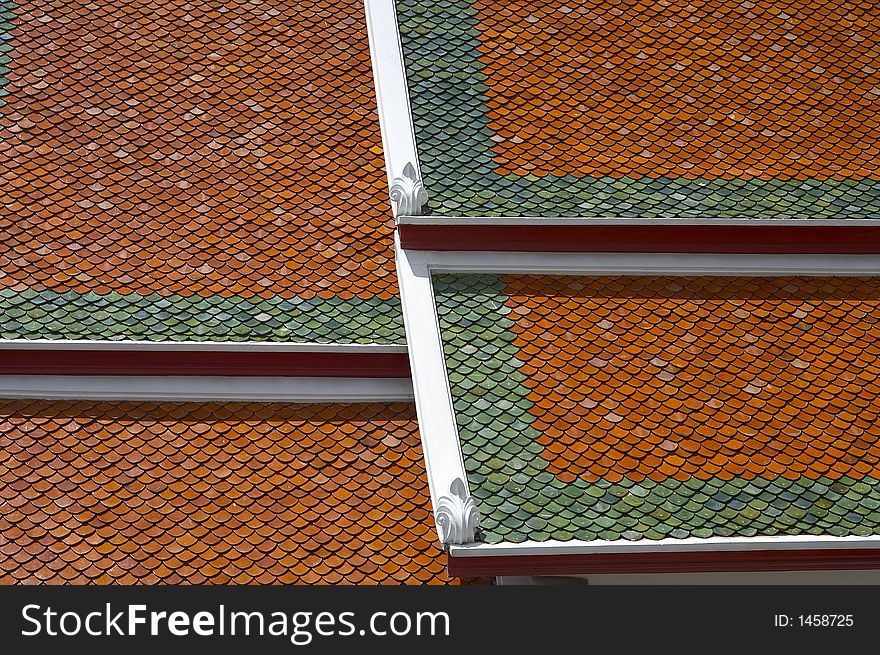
{"x": 205, "y": 493}
{"x": 666, "y": 407}
{"x": 447, "y": 101}
{"x": 221, "y": 150}
{"x": 709, "y": 108}
{"x": 707, "y": 89}
{"x": 47, "y": 314}
{"x": 6, "y": 14}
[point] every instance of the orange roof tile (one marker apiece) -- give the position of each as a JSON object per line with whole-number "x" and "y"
{"x": 717, "y": 377}
{"x": 710, "y": 89}
{"x": 99, "y": 492}
{"x": 221, "y": 148}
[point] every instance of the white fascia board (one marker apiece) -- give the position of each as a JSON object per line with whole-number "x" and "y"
{"x": 574, "y": 547}
{"x": 392, "y": 91}
{"x": 568, "y": 263}
{"x": 443, "y": 459}
{"x": 211, "y": 346}
{"x": 599, "y": 220}
{"x": 205, "y": 388}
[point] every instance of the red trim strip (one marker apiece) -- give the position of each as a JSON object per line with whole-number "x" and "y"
{"x": 666, "y": 562}
{"x": 200, "y": 362}
{"x": 756, "y": 239}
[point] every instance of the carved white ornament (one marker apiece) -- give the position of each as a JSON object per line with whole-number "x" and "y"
{"x": 457, "y": 515}
{"x": 409, "y": 192}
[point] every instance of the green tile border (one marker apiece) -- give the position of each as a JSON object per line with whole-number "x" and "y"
{"x": 519, "y": 499}
{"x": 447, "y": 95}
{"x": 35, "y": 314}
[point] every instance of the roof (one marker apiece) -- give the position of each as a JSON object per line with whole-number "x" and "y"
{"x": 707, "y": 109}
{"x": 200, "y": 172}
{"x": 141, "y": 492}
{"x": 215, "y": 173}
{"x": 646, "y": 408}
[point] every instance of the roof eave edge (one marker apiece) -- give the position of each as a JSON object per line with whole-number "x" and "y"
{"x": 753, "y": 554}
{"x": 176, "y": 388}
{"x": 730, "y": 236}
{"x": 669, "y": 545}
{"x": 610, "y": 220}
{"x": 201, "y": 359}
{"x": 220, "y": 346}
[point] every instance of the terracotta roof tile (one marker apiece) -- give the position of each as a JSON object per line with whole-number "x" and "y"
{"x": 601, "y": 108}
{"x": 235, "y": 517}
{"x": 192, "y": 171}
{"x": 594, "y": 435}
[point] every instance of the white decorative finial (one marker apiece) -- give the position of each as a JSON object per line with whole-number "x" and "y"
{"x": 409, "y": 192}
{"x": 457, "y": 515}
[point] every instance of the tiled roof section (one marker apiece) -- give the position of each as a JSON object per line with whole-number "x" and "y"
{"x": 224, "y": 155}
{"x": 6, "y": 14}
{"x": 214, "y": 493}
{"x": 666, "y": 407}
{"x": 701, "y": 82}
{"x": 598, "y": 108}
{"x": 47, "y": 314}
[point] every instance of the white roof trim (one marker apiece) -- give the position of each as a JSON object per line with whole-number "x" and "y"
{"x": 598, "y": 220}
{"x": 794, "y": 542}
{"x": 224, "y": 346}
{"x": 392, "y": 97}
{"x": 645, "y": 263}
{"x": 443, "y": 461}
{"x": 205, "y": 388}
{"x": 443, "y": 458}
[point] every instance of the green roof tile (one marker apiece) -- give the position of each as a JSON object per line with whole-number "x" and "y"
{"x": 117, "y": 317}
